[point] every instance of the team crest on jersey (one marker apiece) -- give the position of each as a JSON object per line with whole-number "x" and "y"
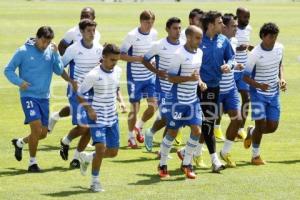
{"x": 219, "y": 44}
{"x": 172, "y": 123}
{"x": 32, "y": 113}
{"x": 164, "y": 110}
{"x": 99, "y": 134}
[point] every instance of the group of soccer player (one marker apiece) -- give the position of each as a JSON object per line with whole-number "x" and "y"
{"x": 190, "y": 77}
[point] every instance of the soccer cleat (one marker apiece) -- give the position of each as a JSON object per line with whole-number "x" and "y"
{"x": 96, "y": 187}
{"x": 34, "y": 168}
{"x": 74, "y": 164}
{"x": 218, "y": 133}
{"x": 178, "y": 139}
{"x": 84, "y": 163}
{"x": 51, "y": 124}
{"x": 139, "y": 135}
{"x": 180, "y": 155}
{"x": 199, "y": 162}
{"x": 18, "y": 150}
{"x": 257, "y": 161}
{"x": 188, "y": 171}
{"x": 248, "y": 139}
{"x": 227, "y": 158}
{"x": 217, "y": 168}
{"x": 64, "y": 150}
{"x": 148, "y": 140}
{"x": 132, "y": 143}
{"x": 163, "y": 171}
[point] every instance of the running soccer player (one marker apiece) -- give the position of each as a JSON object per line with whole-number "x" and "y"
{"x": 36, "y": 61}
{"x": 183, "y": 109}
{"x": 81, "y": 57}
{"x": 163, "y": 51}
{"x": 140, "y": 81}
{"x": 264, "y": 74}
{"x": 104, "y": 80}
{"x": 194, "y": 19}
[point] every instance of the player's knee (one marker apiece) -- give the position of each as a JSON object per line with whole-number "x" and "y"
{"x": 271, "y": 128}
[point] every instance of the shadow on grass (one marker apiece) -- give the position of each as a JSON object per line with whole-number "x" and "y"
{"x": 176, "y": 175}
{"x": 14, "y": 171}
{"x": 285, "y": 161}
{"x": 49, "y": 148}
{"x": 80, "y": 190}
{"x": 140, "y": 159}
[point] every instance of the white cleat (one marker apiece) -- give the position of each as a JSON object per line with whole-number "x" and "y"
{"x": 96, "y": 187}
{"x": 84, "y": 163}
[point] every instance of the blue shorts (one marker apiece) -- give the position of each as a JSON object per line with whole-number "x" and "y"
{"x": 107, "y": 135}
{"x": 35, "y": 109}
{"x": 264, "y": 107}
{"x": 179, "y": 115}
{"x": 79, "y": 114}
{"x": 240, "y": 83}
{"x": 230, "y": 100}
{"x": 141, "y": 89}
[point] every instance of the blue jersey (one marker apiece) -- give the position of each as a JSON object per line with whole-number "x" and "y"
{"x": 216, "y": 52}
{"x": 35, "y": 67}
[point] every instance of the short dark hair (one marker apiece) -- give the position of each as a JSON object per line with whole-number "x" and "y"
{"x": 209, "y": 18}
{"x": 86, "y": 22}
{"x": 171, "y": 21}
{"x": 45, "y": 32}
{"x": 85, "y": 10}
{"x": 147, "y": 15}
{"x": 195, "y": 12}
{"x": 110, "y": 49}
{"x": 268, "y": 28}
{"x": 227, "y": 17}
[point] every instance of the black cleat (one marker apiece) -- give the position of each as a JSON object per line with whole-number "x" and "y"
{"x": 18, "y": 150}
{"x": 74, "y": 164}
{"x": 64, "y": 150}
{"x": 34, "y": 168}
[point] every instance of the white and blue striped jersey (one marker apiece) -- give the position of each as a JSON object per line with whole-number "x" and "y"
{"x": 185, "y": 63}
{"x": 105, "y": 85}
{"x": 183, "y": 36}
{"x": 243, "y": 37}
{"x": 227, "y": 83}
{"x": 137, "y": 43}
{"x": 73, "y": 35}
{"x": 264, "y": 65}
{"x": 163, "y": 51}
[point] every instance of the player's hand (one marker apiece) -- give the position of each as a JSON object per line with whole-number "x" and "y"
{"x": 239, "y": 67}
{"x": 92, "y": 114}
{"x": 263, "y": 86}
{"x": 162, "y": 74}
{"x": 250, "y": 47}
{"x": 282, "y": 85}
{"x": 24, "y": 85}
{"x": 195, "y": 76}
{"x": 225, "y": 68}
{"x": 123, "y": 107}
{"x": 153, "y": 63}
{"x": 74, "y": 85}
{"x": 202, "y": 86}
{"x": 242, "y": 47}
{"x": 54, "y": 47}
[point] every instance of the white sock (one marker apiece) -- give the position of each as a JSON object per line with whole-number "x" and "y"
{"x": 215, "y": 160}
{"x": 217, "y": 126}
{"x": 198, "y": 150}
{"x": 66, "y": 140}
{"x": 91, "y": 156}
{"x": 251, "y": 131}
{"x": 76, "y": 154}
{"x": 95, "y": 179}
{"x": 255, "y": 152}
{"x": 55, "y": 116}
{"x": 32, "y": 161}
{"x": 20, "y": 143}
{"x": 227, "y": 147}
{"x": 191, "y": 145}
{"x": 130, "y": 134}
{"x": 140, "y": 124}
{"x": 165, "y": 148}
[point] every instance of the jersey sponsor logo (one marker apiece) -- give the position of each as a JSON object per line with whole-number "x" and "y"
{"x": 32, "y": 113}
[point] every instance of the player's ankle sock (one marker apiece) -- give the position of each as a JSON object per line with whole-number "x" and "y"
{"x": 130, "y": 134}
{"x": 189, "y": 149}
{"x": 140, "y": 124}
{"x": 76, "y": 154}
{"x": 55, "y": 116}
{"x": 165, "y": 148}
{"x": 215, "y": 160}
{"x": 227, "y": 146}
{"x": 217, "y": 126}
{"x": 95, "y": 176}
{"x": 20, "y": 143}
{"x": 32, "y": 161}
{"x": 255, "y": 150}
{"x": 198, "y": 150}
{"x": 66, "y": 140}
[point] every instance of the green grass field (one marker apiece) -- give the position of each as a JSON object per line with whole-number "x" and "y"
{"x": 132, "y": 175}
